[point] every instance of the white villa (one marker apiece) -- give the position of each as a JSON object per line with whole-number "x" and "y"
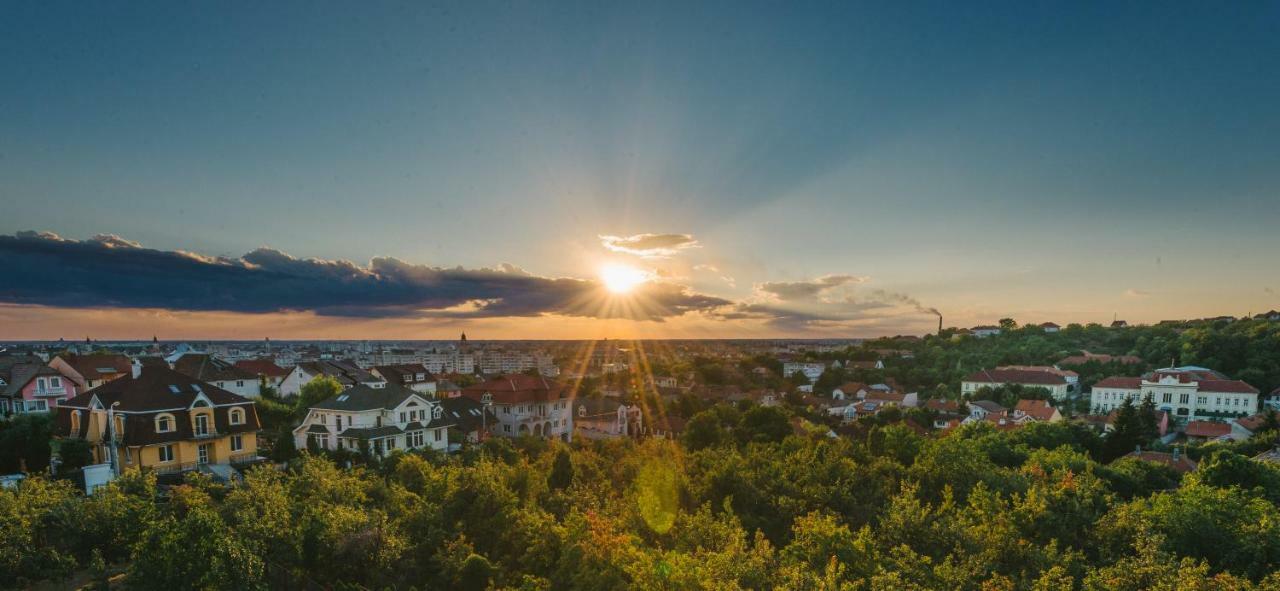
{"x": 1186, "y": 393}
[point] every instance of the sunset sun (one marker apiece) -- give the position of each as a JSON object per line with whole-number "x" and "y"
{"x": 621, "y": 279}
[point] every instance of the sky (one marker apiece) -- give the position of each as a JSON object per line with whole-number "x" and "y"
{"x": 411, "y": 169}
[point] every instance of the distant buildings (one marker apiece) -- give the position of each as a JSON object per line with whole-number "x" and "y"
{"x": 269, "y": 374}
{"x": 164, "y": 420}
{"x": 91, "y": 371}
{"x": 1050, "y": 327}
{"x": 347, "y": 373}
{"x": 604, "y": 418}
{"x": 220, "y": 373}
{"x": 28, "y": 385}
{"x": 413, "y": 376}
{"x": 984, "y": 331}
{"x": 811, "y": 370}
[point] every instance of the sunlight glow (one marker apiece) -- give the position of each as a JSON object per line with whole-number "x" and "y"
{"x": 621, "y": 279}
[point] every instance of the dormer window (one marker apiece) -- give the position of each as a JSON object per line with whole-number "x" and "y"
{"x": 437, "y": 412}
{"x": 487, "y": 398}
{"x": 236, "y": 416}
{"x": 164, "y": 423}
{"x": 582, "y": 411}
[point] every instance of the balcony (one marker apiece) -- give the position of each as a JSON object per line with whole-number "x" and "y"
{"x": 50, "y": 391}
{"x": 174, "y": 468}
{"x": 209, "y": 434}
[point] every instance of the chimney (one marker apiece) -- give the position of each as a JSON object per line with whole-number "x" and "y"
{"x": 939, "y": 323}
{"x": 136, "y": 366}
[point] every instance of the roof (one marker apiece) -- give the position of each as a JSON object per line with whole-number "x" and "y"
{"x": 1036, "y": 409}
{"x": 18, "y": 375}
{"x": 1016, "y": 376}
{"x": 98, "y": 365}
{"x": 988, "y": 405}
{"x": 262, "y": 367}
{"x": 1049, "y": 325}
{"x": 342, "y": 370}
{"x": 371, "y": 432}
{"x": 1254, "y": 422}
{"x": 363, "y": 397}
{"x": 405, "y": 373}
{"x": 203, "y": 366}
{"x": 851, "y": 387}
{"x": 1066, "y": 373}
{"x": 1207, "y": 429}
{"x": 155, "y": 389}
{"x": 1181, "y": 464}
{"x": 1085, "y": 357}
{"x": 465, "y": 413}
{"x": 1123, "y": 382}
{"x": 1227, "y": 386}
{"x": 882, "y": 396}
{"x": 941, "y": 405}
{"x": 518, "y": 388}
{"x": 597, "y": 406}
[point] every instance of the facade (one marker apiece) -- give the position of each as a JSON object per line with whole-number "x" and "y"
{"x": 812, "y": 371}
{"x": 1186, "y": 393}
{"x": 30, "y": 386}
{"x": 163, "y": 420}
{"x": 376, "y": 419}
{"x": 269, "y": 374}
{"x": 1050, "y": 327}
{"x": 1035, "y": 410}
{"x": 451, "y": 361}
{"x": 207, "y": 368}
{"x": 413, "y": 376}
{"x": 347, "y": 373}
{"x": 1054, "y": 382}
{"x": 606, "y": 419}
{"x": 91, "y": 371}
{"x": 526, "y": 405}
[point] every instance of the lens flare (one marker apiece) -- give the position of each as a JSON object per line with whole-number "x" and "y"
{"x": 621, "y": 279}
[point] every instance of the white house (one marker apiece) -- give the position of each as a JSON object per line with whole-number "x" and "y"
{"x": 207, "y": 368}
{"x": 812, "y": 370}
{"x": 1054, "y": 382}
{"x": 348, "y": 374}
{"x": 413, "y": 376}
{"x": 1186, "y": 393}
{"x": 377, "y": 420}
{"x": 984, "y": 331}
{"x": 602, "y": 418}
{"x": 526, "y": 405}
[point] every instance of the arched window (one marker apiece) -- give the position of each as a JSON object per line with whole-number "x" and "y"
{"x": 164, "y": 423}
{"x": 119, "y": 426}
{"x": 199, "y": 403}
{"x": 75, "y": 422}
{"x": 437, "y": 412}
{"x": 236, "y": 416}
{"x": 582, "y": 410}
{"x": 487, "y": 398}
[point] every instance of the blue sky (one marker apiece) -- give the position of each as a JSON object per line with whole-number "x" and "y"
{"x": 1049, "y": 161}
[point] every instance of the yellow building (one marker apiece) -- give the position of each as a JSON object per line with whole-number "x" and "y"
{"x": 164, "y": 421}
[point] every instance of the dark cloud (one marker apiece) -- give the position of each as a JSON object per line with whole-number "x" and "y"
{"x": 649, "y": 245}
{"x": 801, "y": 290}
{"x": 107, "y": 271}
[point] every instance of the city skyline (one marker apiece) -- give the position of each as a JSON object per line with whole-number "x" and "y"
{"x": 741, "y": 171}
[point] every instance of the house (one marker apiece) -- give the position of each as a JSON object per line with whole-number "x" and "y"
{"x": 376, "y": 420}
{"x": 984, "y": 331}
{"x": 1161, "y": 421}
{"x": 526, "y": 405}
{"x": 602, "y": 418}
{"x": 347, "y": 373}
{"x": 413, "y": 376}
{"x": 1050, "y": 327}
{"x": 849, "y": 391}
{"x": 947, "y": 411}
{"x": 1187, "y": 393}
{"x": 1072, "y": 378}
{"x": 1035, "y": 410}
{"x": 811, "y": 370}
{"x": 91, "y": 371}
{"x": 1245, "y": 427}
{"x": 165, "y": 421}
{"x": 980, "y": 409}
{"x": 468, "y": 416}
{"x": 27, "y": 385}
{"x": 207, "y": 368}
{"x": 269, "y": 374}
{"x": 1207, "y": 430}
{"x": 671, "y": 382}
{"x": 1175, "y": 460}
{"x": 1119, "y": 324}
{"x": 1272, "y": 401}
{"x": 667, "y": 427}
{"x": 877, "y": 364}
{"x": 887, "y": 397}
{"x": 1272, "y": 315}
{"x": 1055, "y": 382}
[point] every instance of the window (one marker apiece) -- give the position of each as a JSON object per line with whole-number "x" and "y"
{"x": 1184, "y": 398}
{"x": 506, "y": 428}
{"x": 39, "y": 406}
{"x": 402, "y": 418}
{"x": 166, "y": 453}
{"x": 391, "y": 443}
{"x": 437, "y": 412}
{"x": 1168, "y": 397}
{"x": 438, "y": 434}
{"x": 337, "y": 422}
{"x": 164, "y": 423}
{"x": 55, "y": 383}
{"x": 40, "y": 385}
{"x": 236, "y": 416}
{"x": 237, "y": 442}
{"x": 75, "y": 420}
{"x": 202, "y": 424}
{"x": 239, "y": 383}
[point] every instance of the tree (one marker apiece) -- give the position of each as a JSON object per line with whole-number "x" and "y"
{"x": 764, "y": 424}
{"x": 318, "y": 389}
{"x": 24, "y": 442}
{"x": 703, "y": 431}
{"x": 74, "y": 454}
{"x": 163, "y": 560}
{"x": 561, "y": 471}
{"x": 1008, "y": 324}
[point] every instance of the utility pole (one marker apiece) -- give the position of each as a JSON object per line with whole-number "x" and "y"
{"x": 112, "y": 455}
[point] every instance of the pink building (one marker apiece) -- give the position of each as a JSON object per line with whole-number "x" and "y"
{"x": 31, "y": 386}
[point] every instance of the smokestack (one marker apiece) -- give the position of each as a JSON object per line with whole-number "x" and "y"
{"x": 939, "y": 324}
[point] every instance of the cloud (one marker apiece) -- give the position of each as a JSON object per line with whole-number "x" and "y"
{"x": 1136, "y": 293}
{"x": 107, "y": 271}
{"x": 803, "y": 290}
{"x": 649, "y": 245}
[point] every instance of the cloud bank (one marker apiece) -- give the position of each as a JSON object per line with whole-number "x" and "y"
{"x": 649, "y": 245}
{"x": 107, "y": 271}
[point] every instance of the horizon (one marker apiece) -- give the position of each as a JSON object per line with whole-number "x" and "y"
{"x": 582, "y": 171}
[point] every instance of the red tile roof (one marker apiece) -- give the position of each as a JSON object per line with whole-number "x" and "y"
{"x": 1229, "y": 386}
{"x": 1207, "y": 429}
{"x": 1016, "y": 376}
{"x": 1120, "y": 382}
{"x": 262, "y": 367}
{"x": 1036, "y": 409}
{"x": 1254, "y": 422}
{"x": 1183, "y": 463}
{"x": 517, "y": 388}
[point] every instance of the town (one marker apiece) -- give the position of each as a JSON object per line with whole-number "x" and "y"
{"x": 218, "y": 411}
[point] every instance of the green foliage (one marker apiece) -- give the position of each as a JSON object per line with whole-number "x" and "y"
{"x": 24, "y": 442}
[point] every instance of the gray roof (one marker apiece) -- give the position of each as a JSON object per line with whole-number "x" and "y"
{"x": 317, "y": 428}
{"x": 363, "y": 397}
{"x": 371, "y": 432}
{"x": 464, "y": 413}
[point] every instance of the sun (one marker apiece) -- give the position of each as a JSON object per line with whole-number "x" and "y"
{"x": 620, "y": 278}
